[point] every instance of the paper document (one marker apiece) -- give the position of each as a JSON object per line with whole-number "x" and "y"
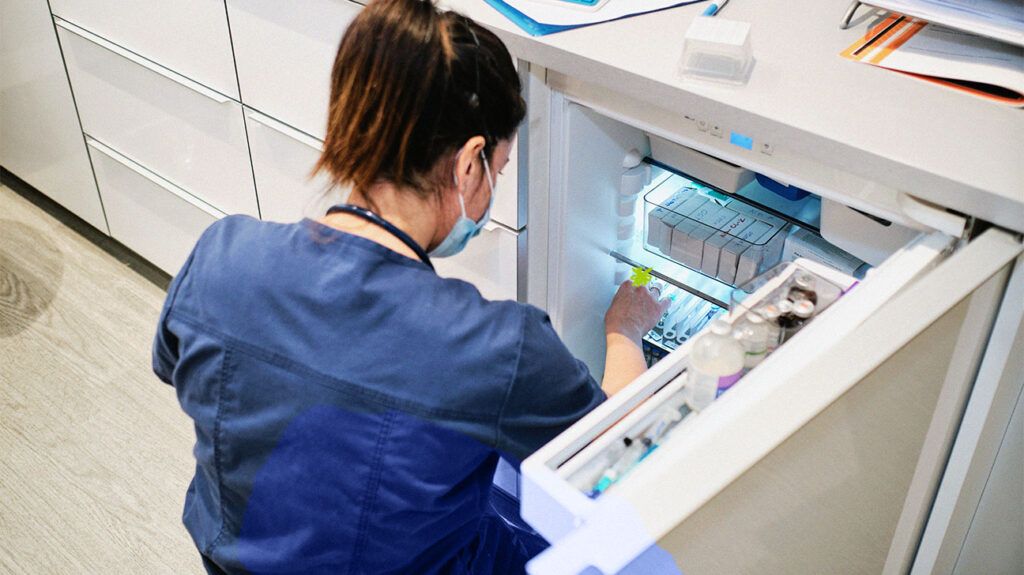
{"x": 999, "y": 19}
{"x": 565, "y": 14}
{"x": 982, "y": 66}
{"x": 539, "y": 17}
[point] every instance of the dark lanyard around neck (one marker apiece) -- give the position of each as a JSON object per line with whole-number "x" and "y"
{"x": 391, "y": 228}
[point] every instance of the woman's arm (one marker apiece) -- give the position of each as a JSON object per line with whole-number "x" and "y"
{"x": 633, "y": 312}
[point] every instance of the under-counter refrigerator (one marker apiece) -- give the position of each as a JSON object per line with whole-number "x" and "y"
{"x": 839, "y": 453}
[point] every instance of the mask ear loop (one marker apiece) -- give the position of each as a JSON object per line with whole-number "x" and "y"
{"x": 455, "y": 179}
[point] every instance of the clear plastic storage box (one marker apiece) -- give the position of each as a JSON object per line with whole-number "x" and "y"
{"x": 715, "y": 234}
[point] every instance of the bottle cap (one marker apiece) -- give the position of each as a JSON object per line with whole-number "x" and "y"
{"x": 770, "y": 311}
{"x": 721, "y": 327}
{"x": 785, "y": 306}
{"x": 803, "y": 308}
{"x": 805, "y": 281}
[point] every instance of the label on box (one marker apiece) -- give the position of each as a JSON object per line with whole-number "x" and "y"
{"x": 758, "y": 214}
{"x": 678, "y": 198}
{"x": 804, "y": 244}
{"x": 714, "y": 244}
{"x": 690, "y": 205}
{"x": 668, "y": 223}
{"x": 729, "y": 258}
{"x": 767, "y": 250}
{"x": 709, "y": 218}
{"x": 654, "y": 227}
{"x": 679, "y": 235}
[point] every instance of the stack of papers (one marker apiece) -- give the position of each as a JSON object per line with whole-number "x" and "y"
{"x": 540, "y": 17}
{"x": 979, "y": 65}
{"x": 1001, "y": 20}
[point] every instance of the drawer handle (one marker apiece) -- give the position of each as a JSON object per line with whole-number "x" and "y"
{"x": 151, "y": 66}
{"x": 167, "y": 186}
{"x": 492, "y": 225}
{"x": 287, "y": 130}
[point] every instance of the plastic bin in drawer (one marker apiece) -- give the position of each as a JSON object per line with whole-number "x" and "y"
{"x": 187, "y": 36}
{"x": 285, "y": 54}
{"x": 282, "y": 159}
{"x": 185, "y": 132}
{"x": 150, "y": 215}
{"x": 490, "y": 262}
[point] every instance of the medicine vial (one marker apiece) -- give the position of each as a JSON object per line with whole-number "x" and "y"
{"x": 803, "y": 288}
{"x": 801, "y": 314}
{"x": 786, "y": 318}
{"x": 752, "y": 333}
{"x": 771, "y": 313}
{"x": 716, "y": 363}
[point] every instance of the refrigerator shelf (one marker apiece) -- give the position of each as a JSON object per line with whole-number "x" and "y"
{"x": 676, "y": 274}
{"x": 805, "y": 212}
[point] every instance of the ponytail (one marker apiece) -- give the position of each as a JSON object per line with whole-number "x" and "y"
{"x": 409, "y": 86}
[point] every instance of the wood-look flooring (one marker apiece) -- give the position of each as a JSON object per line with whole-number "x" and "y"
{"x": 95, "y": 454}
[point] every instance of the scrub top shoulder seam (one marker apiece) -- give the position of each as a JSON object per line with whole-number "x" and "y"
{"x": 218, "y": 451}
{"x": 371, "y": 492}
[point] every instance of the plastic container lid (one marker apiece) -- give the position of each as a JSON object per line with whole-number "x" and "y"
{"x": 805, "y": 281}
{"x": 717, "y": 49}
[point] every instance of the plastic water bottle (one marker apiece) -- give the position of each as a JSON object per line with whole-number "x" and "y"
{"x": 716, "y": 362}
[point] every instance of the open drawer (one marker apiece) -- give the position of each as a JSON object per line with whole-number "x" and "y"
{"x": 823, "y": 458}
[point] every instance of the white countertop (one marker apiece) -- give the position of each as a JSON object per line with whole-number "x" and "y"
{"x": 935, "y": 143}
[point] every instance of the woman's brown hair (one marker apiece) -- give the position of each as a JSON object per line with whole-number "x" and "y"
{"x": 409, "y": 85}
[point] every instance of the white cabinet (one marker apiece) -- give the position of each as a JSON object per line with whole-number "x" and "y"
{"x": 490, "y": 262}
{"x": 187, "y": 133}
{"x": 150, "y": 215}
{"x": 285, "y": 53}
{"x": 282, "y": 161}
{"x": 188, "y": 36}
{"x": 40, "y": 137}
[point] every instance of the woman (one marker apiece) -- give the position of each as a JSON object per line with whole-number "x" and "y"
{"x": 349, "y": 404}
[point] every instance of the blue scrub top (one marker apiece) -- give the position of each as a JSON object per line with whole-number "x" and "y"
{"x": 350, "y": 405}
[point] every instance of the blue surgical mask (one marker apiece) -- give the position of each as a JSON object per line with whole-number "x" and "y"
{"x": 465, "y": 229}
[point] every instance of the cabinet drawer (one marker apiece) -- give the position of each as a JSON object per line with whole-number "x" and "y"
{"x": 187, "y": 36}
{"x": 490, "y": 262}
{"x": 284, "y": 56}
{"x": 282, "y": 159}
{"x": 185, "y": 132}
{"x": 150, "y": 215}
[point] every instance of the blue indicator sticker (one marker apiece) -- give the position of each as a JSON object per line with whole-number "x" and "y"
{"x": 741, "y": 140}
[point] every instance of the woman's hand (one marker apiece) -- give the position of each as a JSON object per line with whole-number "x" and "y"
{"x": 634, "y": 311}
